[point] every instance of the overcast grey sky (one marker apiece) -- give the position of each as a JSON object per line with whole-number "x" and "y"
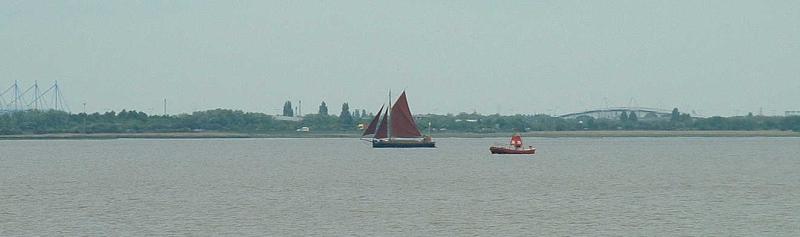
{"x": 508, "y": 57}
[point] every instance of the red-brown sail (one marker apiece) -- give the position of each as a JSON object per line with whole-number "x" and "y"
{"x": 403, "y": 125}
{"x": 374, "y": 124}
{"x": 383, "y": 129}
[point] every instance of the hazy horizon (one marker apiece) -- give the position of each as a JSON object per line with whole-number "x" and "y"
{"x": 553, "y": 57}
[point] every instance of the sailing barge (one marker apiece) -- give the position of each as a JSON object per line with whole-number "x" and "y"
{"x": 395, "y": 128}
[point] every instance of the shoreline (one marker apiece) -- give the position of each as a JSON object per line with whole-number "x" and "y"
{"x": 543, "y": 134}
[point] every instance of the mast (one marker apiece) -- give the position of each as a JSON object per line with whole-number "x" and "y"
{"x": 430, "y": 129}
{"x": 382, "y": 132}
{"x": 389, "y": 118}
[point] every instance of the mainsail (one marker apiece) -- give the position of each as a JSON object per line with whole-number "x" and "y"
{"x": 403, "y": 125}
{"x": 402, "y": 122}
{"x": 374, "y": 124}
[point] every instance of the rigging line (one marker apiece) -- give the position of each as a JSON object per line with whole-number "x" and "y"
{"x": 6, "y": 91}
{"x": 21, "y": 97}
{"x": 41, "y": 96}
{"x": 63, "y": 103}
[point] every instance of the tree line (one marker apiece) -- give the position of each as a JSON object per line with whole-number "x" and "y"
{"x": 478, "y": 123}
{"x": 225, "y": 120}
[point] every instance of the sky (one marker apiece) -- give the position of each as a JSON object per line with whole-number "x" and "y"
{"x": 509, "y": 57}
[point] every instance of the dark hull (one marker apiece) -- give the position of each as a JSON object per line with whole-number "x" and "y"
{"x": 404, "y": 144}
{"x": 506, "y": 150}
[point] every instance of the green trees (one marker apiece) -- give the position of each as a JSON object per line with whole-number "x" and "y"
{"x": 585, "y": 122}
{"x": 323, "y": 109}
{"x": 287, "y": 109}
{"x": 790, "y": 123}
{"x": 318, "y": 122}
{"x": 35, "y": 122}
{"x": 684, "y": 117}
{"x": 679, "y": 121}
{"x": 675, "y": 116}
{"x": 345, "y": 118}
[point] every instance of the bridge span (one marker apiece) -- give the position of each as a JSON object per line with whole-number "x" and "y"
{"x": 18, "y": 98}
{"x": 642, "y": 113}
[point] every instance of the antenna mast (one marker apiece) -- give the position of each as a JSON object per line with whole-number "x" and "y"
{"x": 35, "y": 95}
{"x": 16, "y": 95}
{"x": 55, "y": 85}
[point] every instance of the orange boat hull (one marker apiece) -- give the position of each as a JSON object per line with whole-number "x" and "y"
{"x": 506, "y": 150}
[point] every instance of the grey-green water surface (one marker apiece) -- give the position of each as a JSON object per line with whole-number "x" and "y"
{"x": 335, "y": 187}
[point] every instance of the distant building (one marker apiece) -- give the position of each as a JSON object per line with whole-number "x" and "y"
{"x": 288, "y": 118}
{"x": 793, "y": 113}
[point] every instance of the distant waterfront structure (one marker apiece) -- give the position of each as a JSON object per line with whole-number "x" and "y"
{"x": 18, "y": 98}
{"x": 792, "y": 113}
{"x": 298, "y": 110}
{"x": 616, "y": 113}
{"x": 287, "y": 118}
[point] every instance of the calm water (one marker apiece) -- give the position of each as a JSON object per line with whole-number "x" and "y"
{"x": 331, "y": 187}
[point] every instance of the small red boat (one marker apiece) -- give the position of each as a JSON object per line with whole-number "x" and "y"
{"x": 506, "y": 150}
{"x": 514, "y": 148}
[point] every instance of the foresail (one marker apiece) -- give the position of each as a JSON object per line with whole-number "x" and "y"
{"x": 374, "y": 124}
{"x": 403, "y": 125}
{"x": 383, "y": 130}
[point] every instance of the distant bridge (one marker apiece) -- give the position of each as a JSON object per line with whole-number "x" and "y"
{"x": 614, "y": 113}
{"x": 18, "y": 98}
